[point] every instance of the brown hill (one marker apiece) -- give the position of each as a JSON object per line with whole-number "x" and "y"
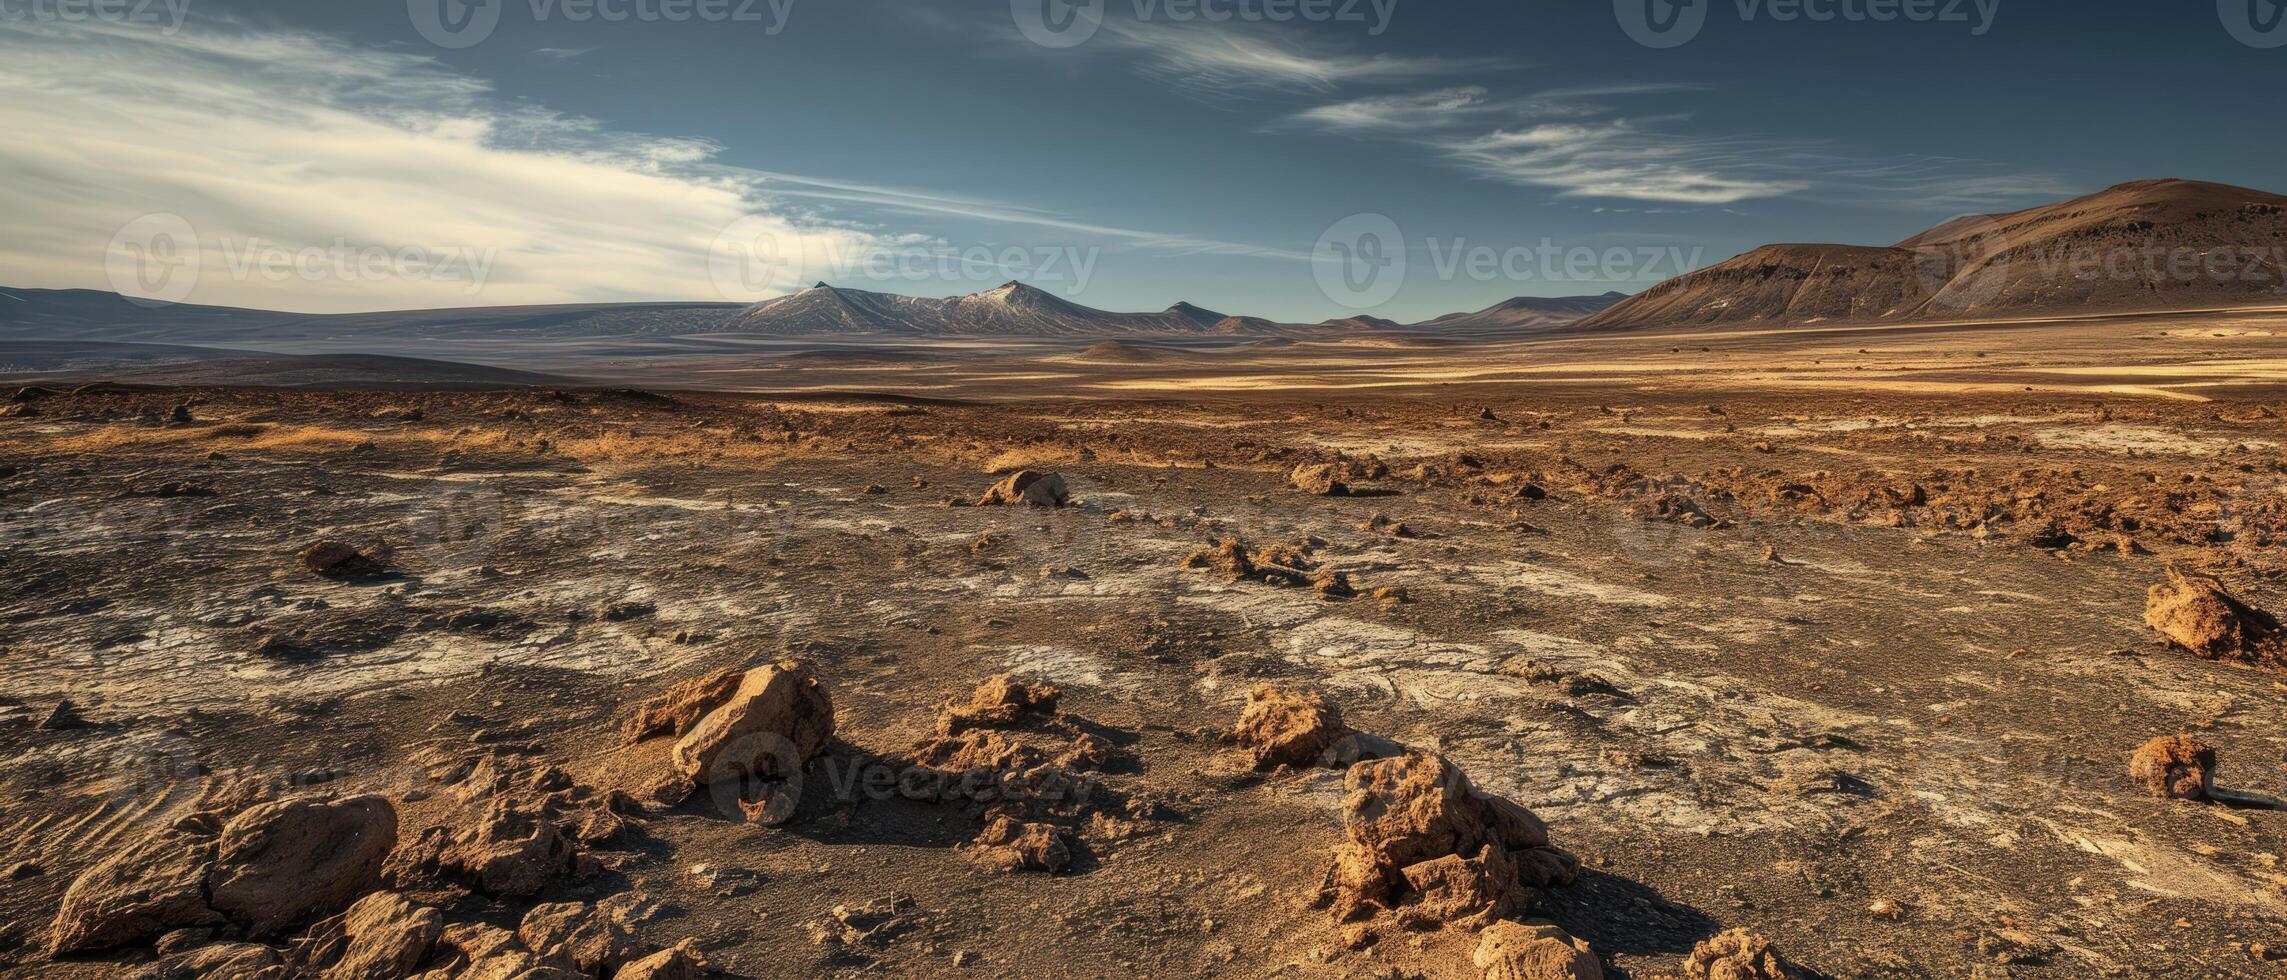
{"x": 2152, "y": 245}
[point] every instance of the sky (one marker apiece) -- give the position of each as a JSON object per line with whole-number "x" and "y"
{"x": 1293, "y": 159}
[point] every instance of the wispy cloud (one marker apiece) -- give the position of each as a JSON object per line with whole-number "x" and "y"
{"x": 562, "y": 54}
{"x": 385, "y": 150}
{"x": 1218, "y": 62}
{"x": 1581, "y": 143}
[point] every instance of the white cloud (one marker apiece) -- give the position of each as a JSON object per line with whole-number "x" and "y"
{"x": 272, "y": 141}
{"x": 1217, "y": 62}
{"x": 1575, "y": 142}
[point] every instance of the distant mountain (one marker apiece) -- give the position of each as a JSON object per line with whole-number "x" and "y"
{"x": 1010, "y": 310}
{"x": 2151, "y": 245}
{"x": 1527, "y": 312}
{"x": 88, "y": 314}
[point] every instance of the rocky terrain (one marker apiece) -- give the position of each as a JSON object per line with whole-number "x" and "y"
{"x": 1637, "y": 667}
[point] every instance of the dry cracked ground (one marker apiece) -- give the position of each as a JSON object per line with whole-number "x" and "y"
{"x": 1860, "y": 673}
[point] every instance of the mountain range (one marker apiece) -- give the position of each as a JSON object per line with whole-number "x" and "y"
{"x": 2145, "y": 246}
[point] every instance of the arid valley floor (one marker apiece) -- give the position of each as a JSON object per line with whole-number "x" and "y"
{"x": 1837, "y": 636}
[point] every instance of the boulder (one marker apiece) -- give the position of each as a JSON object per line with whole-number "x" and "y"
{"x": 1425, "y": 843}
{"x": 2175, "y": 767}
{"x": 1321, "y": 479}
{"x": 152, "y": 886}
{"x": 778, "y": 718}
{"x": 381, "y": 937}
{"x": 680, "y": 963}
{"x": 335, "y": 559}
{"x": 1284, "y": 727}
{"x": 511, "y": 849}
{"x": 1516, "y": 951}
{"x": 579, "y": 937}
{"x": 681, "y": 706}
{"x": 278, "y": 864}
{"x": 1009, "y": 844}
{"x": 1027, "y": 488}
{"x": 2197, "y": 614}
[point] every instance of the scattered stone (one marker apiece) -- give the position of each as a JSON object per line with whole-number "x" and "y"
{"x": 1027, "y": 488}
{"x": 2175, "y": 767}
{"x": 1675, "y": 508}
{"x": 335, "y": 559}
{"x": 683, "y": 962}
{"x": 1516, "y": 951}
{"x": 2197, "y": 614}
{"x": 997, "y": 703}
{"x": 64, "y": 717}
{"x": 625, "y": 609}
{"x": 1318, "y": 479}
{"x": 674, "y": 712}
{"x": 1008, "y": 844}
{"x": 2015, "y": 947}
{"x": 1736, "y": 955}
{"x": 590, "y": 940}
{"x": 1284, "y": 727}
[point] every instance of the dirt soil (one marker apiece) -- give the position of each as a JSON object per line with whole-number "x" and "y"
{"x": 1857, "y": 668}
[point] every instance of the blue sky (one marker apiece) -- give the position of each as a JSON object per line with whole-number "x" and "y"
{"x": 932, "y": 148}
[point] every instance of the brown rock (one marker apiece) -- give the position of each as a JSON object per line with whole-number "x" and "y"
{"x": 778, "y": 718}
{"x": 1736, "y": 955}
{"x": 1320, "y": 479}
{"x": 1228, "y": 558}
{"x": 579, "y": 937}
{"x": 1285, "y": 727}
{"x": 2197, "y": 614}
{"x": 152, "y": 886}
{"x": 1008, "y": 844}
{"x": 381, "y": 937}
{"x": 279, "y": 863}
{"x": 2175, "y": 767}
{"x": 226, "y": 961}
{"x": 1419, "y": 807}
{"x": 1427, "y": 844}
{"x": 1474, "y": 890}
{"x": 680, "y": 963}
{"x": 1029, "y": 489}
{"x": 674, "y": 712}
{"x": 512, "y": 849}
{"x": 1515, "y": 951}
{"x": 997, "y": 703}
{"x": 335, "y": 559}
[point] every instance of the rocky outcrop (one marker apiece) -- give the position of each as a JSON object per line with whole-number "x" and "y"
{"x": 279, "y": 863}
{"x": 1283, "y": 727}
{"x": 1425, "y": 844}
{"x": 2198, "y": 614}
